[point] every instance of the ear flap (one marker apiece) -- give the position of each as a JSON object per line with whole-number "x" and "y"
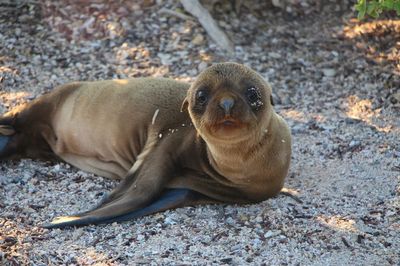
{"x": 271, "y": 100}
{"x": 185, "y": 104}
{"x": 6, "y": 130}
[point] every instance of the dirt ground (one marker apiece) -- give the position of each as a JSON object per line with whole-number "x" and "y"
{"x": 335, "y": 80}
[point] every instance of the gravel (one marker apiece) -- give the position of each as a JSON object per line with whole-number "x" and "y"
{"x": 336, "y": 81}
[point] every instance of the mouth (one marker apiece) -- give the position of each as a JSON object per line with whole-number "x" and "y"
{"x": 227, "y": 129}
{"x": 228, "y": 123}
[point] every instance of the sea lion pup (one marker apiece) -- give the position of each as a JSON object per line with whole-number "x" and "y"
{"x": 172, "y": 145}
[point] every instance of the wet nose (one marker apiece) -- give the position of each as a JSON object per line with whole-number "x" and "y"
{"x": 226, "y": 104}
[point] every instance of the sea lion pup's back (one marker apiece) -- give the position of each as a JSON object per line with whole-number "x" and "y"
{"x": 117, "y": 117}
{"x": 97, "y": 126}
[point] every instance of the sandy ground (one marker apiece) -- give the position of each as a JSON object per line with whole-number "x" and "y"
{"x": 335, "y": 81}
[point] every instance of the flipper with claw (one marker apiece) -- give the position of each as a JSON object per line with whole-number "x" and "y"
{"x": 169, "y": 199}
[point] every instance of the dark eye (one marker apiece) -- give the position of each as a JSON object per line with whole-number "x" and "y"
{"x": 253, "y": 94}
{"x": 201, "y": 97}
{"x": 254, "y": 98}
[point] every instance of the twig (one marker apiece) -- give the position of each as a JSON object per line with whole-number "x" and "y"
{"x": 286, "y": 192}
{"x": 196, "y": 9}
{"x": 344, "y": 240}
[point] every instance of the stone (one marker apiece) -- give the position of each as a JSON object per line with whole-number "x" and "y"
{"x": 329, "y": 72}
{"x": 198, "y": 39}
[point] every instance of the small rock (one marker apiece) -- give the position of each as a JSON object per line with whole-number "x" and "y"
{"x": 286, "y": 100}
{"x": 395, "y": 98}
{"x": 230, "y": 221}
{"x": 282, "y": 98}
{"x": 192, "y": 72}
{"x": 277, "y": 3}
{"x": 388, "y": 154}
{"x": 28, "y": 210}
{"x": 27, "y": 176}
{"x": 10, "y": 240}
{"x": 329, "y": 72}
{"x": 169, "y": 221}
{"x": 198, "y": 39}
{"x": 349, "y": 120}
{"x": 165, "y": 58}
{"x": 299, "y": 128}
{"x": 274, "y": 55}
{"x": 236, "y": 247}
{"x": 256, "y": 242}
{"x": 360, "y": 239}
{"x": 354, "y": 143}
{"x": 271, "y": 234}
{"x": 57, "y": 168}
{"x": 243, "y": 218}
{"x": 328, "y": 127}
{"x": 226, "y": 260}
{"x": 202, "y": 66}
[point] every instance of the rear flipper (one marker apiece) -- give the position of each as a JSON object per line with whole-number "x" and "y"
{"x": 6, "y": 133}
{"x": 169, "y": 199}
{"x": 3, "y": 142}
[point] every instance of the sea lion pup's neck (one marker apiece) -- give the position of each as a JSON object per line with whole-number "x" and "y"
{"x": 232, "y": 160}
{"x": 241, "y": 161}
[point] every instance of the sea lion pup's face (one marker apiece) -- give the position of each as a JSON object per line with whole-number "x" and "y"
{"x": 230, "y": 103}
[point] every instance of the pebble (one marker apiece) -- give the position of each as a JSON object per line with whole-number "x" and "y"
{"x": 354, "y": 143}
{"x": 165, "y": 58}
{"x": 299, "y": 129}
{"x": 230, "y": 221}
{"x": 271, "y": 234}
{"x": 329, "y": 72}
{"x": 236, "y": 247}
{"x": 169, "y": 221}
{"x": 395, "y": 98}
{"x": 57, "y": 168}
{"x": 203, "y": 65}
{"x": 198, "y": 39}
{"x": 274, "y": 55}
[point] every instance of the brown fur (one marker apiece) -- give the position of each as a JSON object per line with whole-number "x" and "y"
{"x": 134, "y": 130}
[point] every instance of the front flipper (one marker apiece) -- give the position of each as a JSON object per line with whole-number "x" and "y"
{"x": 169, "y": 199}
{"x": 143, "y": 191}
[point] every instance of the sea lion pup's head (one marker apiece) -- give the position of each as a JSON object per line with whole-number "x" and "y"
{"x": 229, "y": 103}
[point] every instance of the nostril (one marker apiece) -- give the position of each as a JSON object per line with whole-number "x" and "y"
{"x": 227, "y": 104}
